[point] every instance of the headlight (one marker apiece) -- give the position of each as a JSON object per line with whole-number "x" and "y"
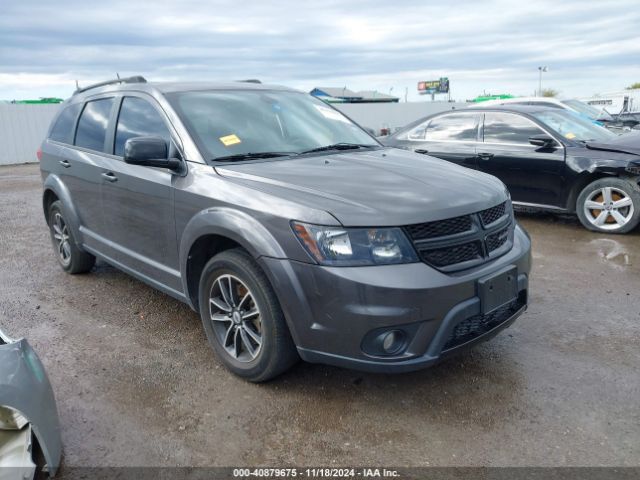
{"x": 633, "y": 168}
{"x": 339, "y": 246}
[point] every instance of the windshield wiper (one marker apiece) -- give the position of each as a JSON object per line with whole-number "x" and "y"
{"x": 339, "y": 146}
{"x": 251, "y": 155}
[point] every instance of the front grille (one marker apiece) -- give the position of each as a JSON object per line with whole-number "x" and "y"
{"x": 492, "y": 214}
{"x": 442, "y": 257}
{"x": 498, "y": 239}
{"x": 475, "y": 326}
{"x": 441, "y": 228}
{"x": 465, "y": 241}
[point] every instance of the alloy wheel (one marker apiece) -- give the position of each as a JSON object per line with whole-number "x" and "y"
{"x": 608, "y": 208}
{"x": 235, "y": 318}
{"x": 61, "y": 238}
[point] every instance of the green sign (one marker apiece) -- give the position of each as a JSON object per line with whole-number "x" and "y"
{"x": 40, "y": 101}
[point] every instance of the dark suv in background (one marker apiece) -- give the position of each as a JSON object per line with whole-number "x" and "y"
{"x": 288, "y": 228}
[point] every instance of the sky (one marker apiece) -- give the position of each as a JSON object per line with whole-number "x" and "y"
{"x": 496, "y": 46}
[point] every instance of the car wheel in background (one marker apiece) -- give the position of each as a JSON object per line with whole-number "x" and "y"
{"x": 70, "y": 257}
{"x": 610, "y": 205}
{"x": 242, "y": 317}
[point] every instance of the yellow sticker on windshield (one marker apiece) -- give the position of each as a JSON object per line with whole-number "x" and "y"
{"x": 229, "y": 140}
{"x": 570, "y": 135}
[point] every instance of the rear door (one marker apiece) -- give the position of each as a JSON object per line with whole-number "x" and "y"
{"x": 451, "y": 136}
{"x": 137, "y": 201}
{"x": 80, "y": 165}
{"x": 532, "y": 174}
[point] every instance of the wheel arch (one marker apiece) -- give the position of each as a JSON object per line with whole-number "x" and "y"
{"x": 55, "y": 189}
{"x": 581, "y": 182}
{"x": 213, "y": 231}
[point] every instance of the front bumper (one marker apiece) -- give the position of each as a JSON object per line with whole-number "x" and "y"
{"x": 330, "y": 310}
{"x": 24, "y": 387}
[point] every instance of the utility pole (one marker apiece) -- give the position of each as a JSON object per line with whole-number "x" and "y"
{"x": 541, "y": 69}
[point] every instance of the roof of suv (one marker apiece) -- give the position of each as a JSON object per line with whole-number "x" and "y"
{"x": 171, "y": 87}
{"x": 168, "y": 87}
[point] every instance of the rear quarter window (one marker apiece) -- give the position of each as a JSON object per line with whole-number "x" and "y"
{"x": 62, "y": 130}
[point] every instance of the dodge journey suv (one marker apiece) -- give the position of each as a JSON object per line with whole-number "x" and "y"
{"x": 287, "y": 227}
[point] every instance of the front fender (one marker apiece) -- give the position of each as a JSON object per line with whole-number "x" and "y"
{"x": 233, "y": 224}
{"x": 596, "y": 161}
{"x": 24, "y": 386}
{"x": 54, "y": 184}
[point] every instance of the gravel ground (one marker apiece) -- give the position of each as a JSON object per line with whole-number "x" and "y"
{"x": 136, "y": 383}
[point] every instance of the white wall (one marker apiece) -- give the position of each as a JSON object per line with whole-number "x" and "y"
{"x": 22, "y": 129}
{"x": 392, "y": 115}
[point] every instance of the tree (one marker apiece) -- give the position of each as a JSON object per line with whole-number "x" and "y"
{"x": 633, "y": 86}
{"x": 549, "y": 92}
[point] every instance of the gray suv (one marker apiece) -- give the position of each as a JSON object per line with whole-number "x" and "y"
{"x": 290, "y": 229}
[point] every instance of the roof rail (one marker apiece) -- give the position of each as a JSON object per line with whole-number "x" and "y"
{"x": 250, "y": 80}
{"x": 134, "y": 79}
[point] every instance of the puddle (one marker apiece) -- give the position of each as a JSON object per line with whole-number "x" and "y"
{"x": 612, "y": 252}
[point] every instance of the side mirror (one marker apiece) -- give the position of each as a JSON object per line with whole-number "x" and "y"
{"x": 542, "y": 140}
{"x": 149, "y": 152}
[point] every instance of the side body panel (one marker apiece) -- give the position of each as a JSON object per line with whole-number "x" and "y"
{"x": 532, "y": 175}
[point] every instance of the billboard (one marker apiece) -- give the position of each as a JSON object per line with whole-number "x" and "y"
{"x": 434, "y": 86}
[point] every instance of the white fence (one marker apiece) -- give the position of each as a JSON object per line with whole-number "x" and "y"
{"x": 22, "y": 129}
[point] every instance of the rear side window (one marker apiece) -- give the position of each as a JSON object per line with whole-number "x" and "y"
{"x": 138, "y": 118}
{"x": 92, "y": 126}
{"x": 460, "y": 127}
{"x": 62, "y": 130}
{"x": 508, "y": 128}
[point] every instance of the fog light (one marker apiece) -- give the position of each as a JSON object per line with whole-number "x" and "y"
{"x": 392, "y": 341}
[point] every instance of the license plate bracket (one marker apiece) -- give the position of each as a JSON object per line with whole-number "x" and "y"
{"x": 498, "y": 289}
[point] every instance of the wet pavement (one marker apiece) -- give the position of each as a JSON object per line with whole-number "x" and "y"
{"x": 137, "y": 384}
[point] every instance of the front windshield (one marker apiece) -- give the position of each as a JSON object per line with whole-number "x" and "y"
{"x": 586, "y": 109}
{"x": 574, "y": 127}
{"x": 237, "y": 122}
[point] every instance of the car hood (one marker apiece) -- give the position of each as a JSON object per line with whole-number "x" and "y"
{"x": 625, "y": 143}
{"x": 383, "y": 187}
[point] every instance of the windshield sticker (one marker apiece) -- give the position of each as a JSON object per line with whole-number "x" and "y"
{"x": 229, "y": 140}
{"x": 570, "y": 136}
{"x": 331, "y": 114}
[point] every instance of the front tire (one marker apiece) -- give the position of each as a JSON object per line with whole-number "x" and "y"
{"x": 70, "y": 257}
{"x": 609, "y": 205}
{"x": 242, "y": 317}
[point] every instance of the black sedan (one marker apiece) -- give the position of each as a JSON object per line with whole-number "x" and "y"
{"x": 548, "y": 158}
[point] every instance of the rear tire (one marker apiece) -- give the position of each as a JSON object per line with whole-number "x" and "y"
{"x": 242, "y": 317}
{"x": 609, "y": 205}
{"x": 70, "y": 257}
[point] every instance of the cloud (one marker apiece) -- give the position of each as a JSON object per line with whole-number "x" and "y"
{"x": 481, "y": 46}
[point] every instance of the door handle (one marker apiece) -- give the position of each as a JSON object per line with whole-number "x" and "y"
{"x": 64, "y": 163}
{"x": 109, "y": 176}
{"x": 420, "y": 150}
{"x": 485, "y": 156}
